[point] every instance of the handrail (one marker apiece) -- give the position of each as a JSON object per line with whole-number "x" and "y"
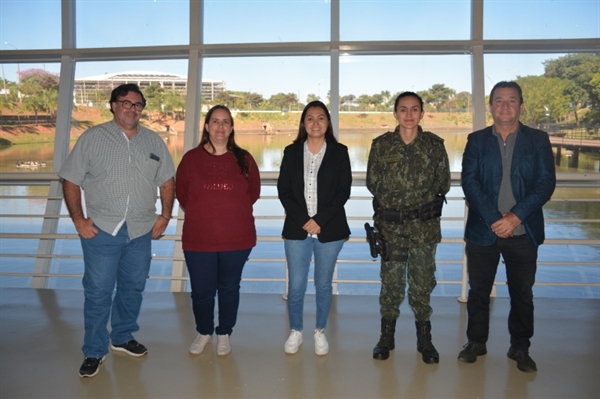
{"x": 581, "y": 180}
{"x": 269, "y": 178}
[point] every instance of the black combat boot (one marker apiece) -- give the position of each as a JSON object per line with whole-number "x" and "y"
{"x": 424, "y": 344}
{"x": 386, "y": 341}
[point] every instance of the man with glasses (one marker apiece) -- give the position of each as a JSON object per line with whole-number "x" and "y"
{"x": 110, "y": 182}
{"x": 508, "y": 174}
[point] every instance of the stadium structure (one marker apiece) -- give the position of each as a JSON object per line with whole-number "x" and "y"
{"x": 95, "y": 89}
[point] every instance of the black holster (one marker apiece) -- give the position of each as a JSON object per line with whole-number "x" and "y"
{"x": 378, "y": 246}
{"x": 432, "y": 209}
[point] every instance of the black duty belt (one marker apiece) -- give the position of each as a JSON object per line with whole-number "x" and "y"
{"x": 398, "y": 217}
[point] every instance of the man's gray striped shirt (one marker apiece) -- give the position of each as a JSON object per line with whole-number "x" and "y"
{"x": 119, "y": 176}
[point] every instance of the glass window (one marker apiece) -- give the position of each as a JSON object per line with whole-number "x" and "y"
{"x": 17, "y": 30}
{"x": 404, "y": 20}
{"x": 540, "y": 19}
{"x": 259, "y": 21}
{"x": 267, "y": 95}
{"x": 163, "y": 82}
{"x": 444, "y": 83}
{"x": 132, "y": 23}
{"x": 559, "y": 97}
{"x": 29, "y": 104}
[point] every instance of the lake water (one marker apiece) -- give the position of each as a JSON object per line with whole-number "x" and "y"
{"x": 268, "y": 150}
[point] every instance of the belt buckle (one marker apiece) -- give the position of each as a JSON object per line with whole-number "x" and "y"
{"x": 392, "y": 217}
{"x": 412, "y": 215}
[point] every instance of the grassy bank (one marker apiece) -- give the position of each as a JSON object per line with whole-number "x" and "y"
{"x": 245, "y": 122}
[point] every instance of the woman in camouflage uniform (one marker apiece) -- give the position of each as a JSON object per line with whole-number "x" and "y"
{"x": 409, "y": 175}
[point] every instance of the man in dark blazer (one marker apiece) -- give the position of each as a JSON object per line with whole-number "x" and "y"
{"x": 507, "y": 176}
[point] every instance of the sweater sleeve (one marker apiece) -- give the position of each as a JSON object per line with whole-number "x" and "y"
{"x": 253, "y": 179}
{"x": 181, "y": 181}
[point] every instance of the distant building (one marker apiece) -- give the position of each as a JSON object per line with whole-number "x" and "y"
{"x": 96, "y": 89}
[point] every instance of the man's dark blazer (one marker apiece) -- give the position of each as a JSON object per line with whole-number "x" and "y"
{"x": 533, "y": 179}
{"x": 334, "y": 181}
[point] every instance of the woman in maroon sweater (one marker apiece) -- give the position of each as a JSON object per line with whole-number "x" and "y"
{"x": 217, "y": 184}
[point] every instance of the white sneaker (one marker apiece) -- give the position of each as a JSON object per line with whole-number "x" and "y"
{"x": 293, "y": 342}
{"x": 321, "y": 345}
{"x": 199, "y": 343}
{"x": 223, "y": 346}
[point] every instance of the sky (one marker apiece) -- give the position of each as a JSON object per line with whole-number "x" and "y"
{"x": 31, "y": 24}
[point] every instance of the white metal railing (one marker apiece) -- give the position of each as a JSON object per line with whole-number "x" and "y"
{"x": 575, "y": 180}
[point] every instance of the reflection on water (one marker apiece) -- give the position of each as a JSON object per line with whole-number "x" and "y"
{"x": 268, "y": 151}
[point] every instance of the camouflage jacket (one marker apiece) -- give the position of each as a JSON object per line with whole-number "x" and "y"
{"x": 405, "y": 177}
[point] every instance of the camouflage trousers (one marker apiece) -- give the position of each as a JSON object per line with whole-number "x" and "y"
{"x": 419, "y": 271}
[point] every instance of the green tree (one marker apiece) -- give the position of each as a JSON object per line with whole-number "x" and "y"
{"x": 580, "y": 70}
{"x": 348, "y": 100}
{"x": 427, "y": 97}
{"x": 311, "y": 97}
{"x": 462, "y": 100}
{"x": 543, "y": 98}
{"x": 155, "y": 97}
{"x": 50, "y": 101}
{"x": 365, "y": 101}
{"x": 386, "y": 96}
{"x": 595, "y": 84}
{"x": 36, "y": 86}
{"x": 10, "y": 97}
{"x": 376, "y": 101}
{"x": 283, "y": 101}
{"x": 577, "y": 97}
{"x": 253, "y": 99}
{"x": 439, "y": 94}
{"x": 224, "y": 98}
{"x": 175, "y": 104}
{"x": 392, "y": 100}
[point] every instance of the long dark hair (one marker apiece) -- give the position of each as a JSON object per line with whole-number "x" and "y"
{"x": 238, "y": 152}
{"x": 303, "y": 134}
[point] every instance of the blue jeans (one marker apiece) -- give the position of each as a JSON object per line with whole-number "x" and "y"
{"x": 108, "y": 261}
{"x": 520, "y": 258}
{"x": 212, "y": 272}
{"x": 298, "y": 254}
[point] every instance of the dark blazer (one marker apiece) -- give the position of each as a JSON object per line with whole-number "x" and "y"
{"x": 533, "y": 179}
{"x": 334, "y": 181}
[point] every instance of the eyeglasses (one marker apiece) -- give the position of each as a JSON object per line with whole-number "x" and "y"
{"x": 128, "y": 104}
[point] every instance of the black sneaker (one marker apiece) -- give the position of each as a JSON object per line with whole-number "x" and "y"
{"x": 471, "y": 351}
{"x": 524, "y": 362}
{"x": 132, "y": 348}
{"x": 90, "y": 366}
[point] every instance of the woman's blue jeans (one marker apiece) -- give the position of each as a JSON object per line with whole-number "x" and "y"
{"x": 212, "y": 272}
{"x": 298, "y": 254}
{"x": 108, "y": 261}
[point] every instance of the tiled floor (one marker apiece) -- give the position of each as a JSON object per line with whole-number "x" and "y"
{"x": 41, "y": 333}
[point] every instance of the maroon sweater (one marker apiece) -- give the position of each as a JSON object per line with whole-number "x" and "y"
{"x": 217, "y": 200}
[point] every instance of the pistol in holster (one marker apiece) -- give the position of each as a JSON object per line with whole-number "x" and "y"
{"x": 377, "y": 245}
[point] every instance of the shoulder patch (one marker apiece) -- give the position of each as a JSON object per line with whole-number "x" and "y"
{"x": 433, "y": 137}
{"x": 382, "y": 137}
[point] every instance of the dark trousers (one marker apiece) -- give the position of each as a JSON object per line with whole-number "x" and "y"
{"x": 520, "y": 258}
{"x": 212, "y": 272}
